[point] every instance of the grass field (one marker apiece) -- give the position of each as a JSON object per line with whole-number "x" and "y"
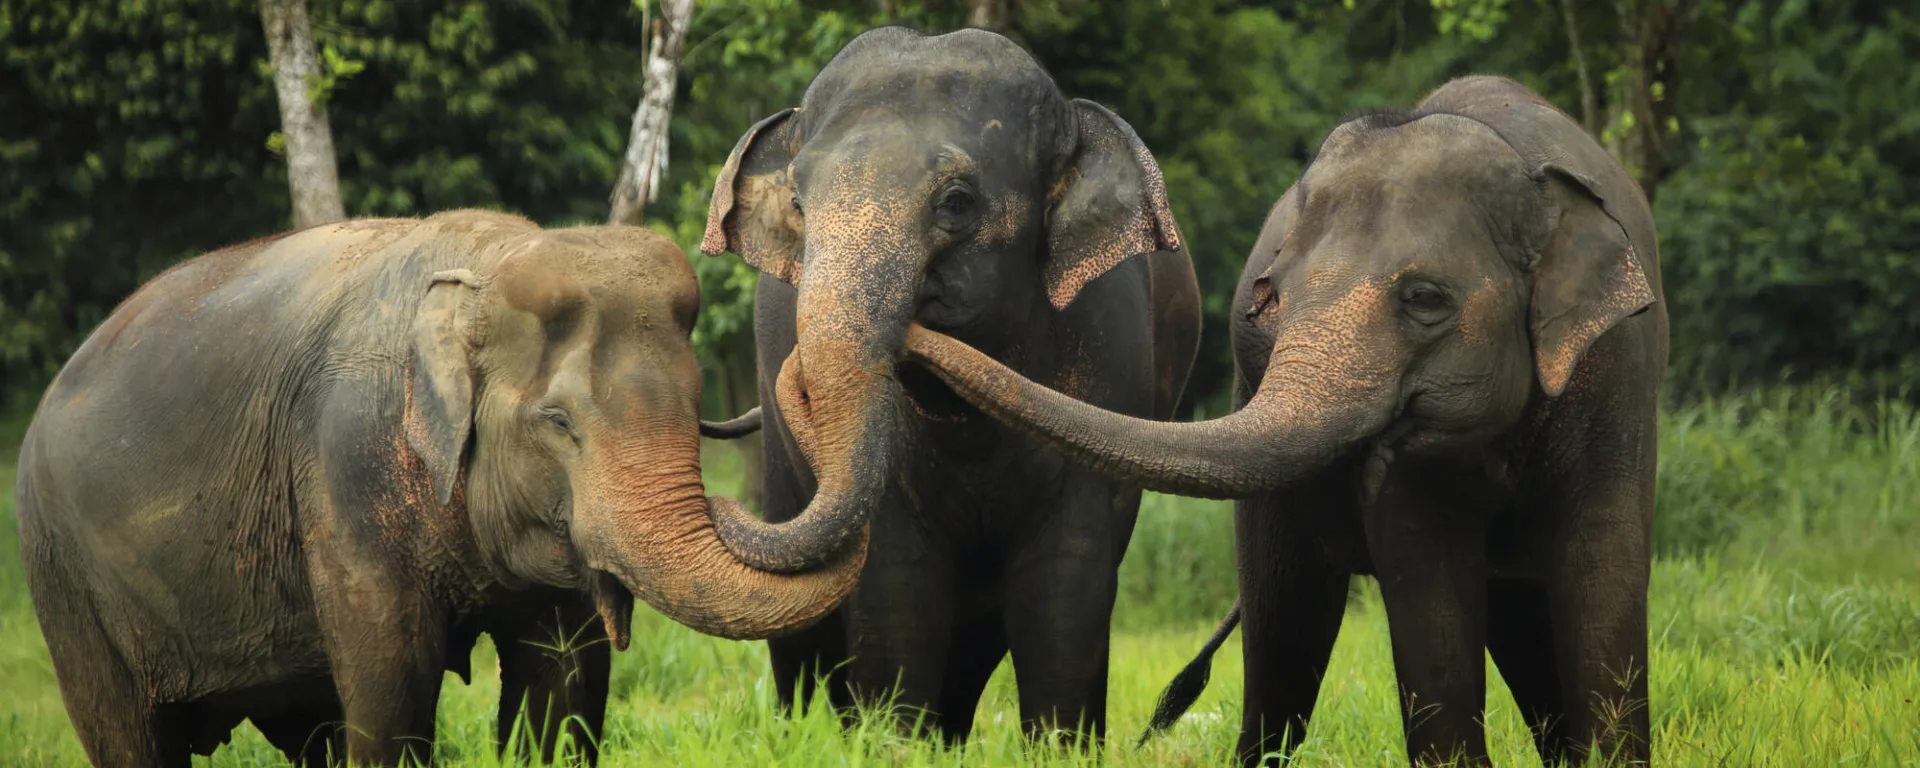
{"x": 1785, "y": 619}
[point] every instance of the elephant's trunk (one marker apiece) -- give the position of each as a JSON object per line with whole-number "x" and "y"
{"x": 648, "y": 523}
{"x": 837, "y": 394}
{"x": 1324, "y": 392}
{"x": 843, "y": 423}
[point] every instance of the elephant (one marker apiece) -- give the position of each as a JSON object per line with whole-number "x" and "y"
{"x": 294, "y": 479}
{"x": 944, "y": 179}
{"x": 1449, "y": 342}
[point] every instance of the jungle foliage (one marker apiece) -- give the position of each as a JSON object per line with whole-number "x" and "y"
{"x": 1776, "y": 136}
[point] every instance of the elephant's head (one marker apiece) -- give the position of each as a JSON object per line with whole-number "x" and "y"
{"x": 1420, "y": 278}
{"x": 557, "y": 389}
{"x": 942, "y": 180}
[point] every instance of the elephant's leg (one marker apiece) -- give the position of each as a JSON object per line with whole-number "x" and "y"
{"x": 554, "y": 669}
{"x": 1431, "y": 561}
{"x": 802, "y": 661}
{"x": 1520, "y": 639}
{"x": 1061, "y": 580}
{"x": 900, "y": 618}
{"x": 1291, "y": 604}
{"x": 806, "y": 660}
{"x": 1599, "y": 592}
{"x": 975, "y": 651}
{"x": 387, "y": 649}
{"x": 117, "y": 721}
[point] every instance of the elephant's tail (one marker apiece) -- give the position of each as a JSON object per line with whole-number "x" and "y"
{"x": 1186, "y": 686}
{"x": 734, "y": 428}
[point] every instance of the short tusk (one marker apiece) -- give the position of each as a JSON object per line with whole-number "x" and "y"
{"x": 734, "y": 428}
{"x": 1374, "y": 473}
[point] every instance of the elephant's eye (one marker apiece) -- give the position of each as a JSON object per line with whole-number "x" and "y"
{"x": 796, "y": 205}
{"x": 559, "y": 420}
{"x": 956, "y": 199}
{"x": 954, "y": 209}
{"x": 1425, "y": 302}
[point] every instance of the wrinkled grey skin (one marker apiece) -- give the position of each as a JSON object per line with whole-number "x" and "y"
{"x": 293, "y": 480}
{"x": 1449, "y": 342}
{"x": 944, "y": 180}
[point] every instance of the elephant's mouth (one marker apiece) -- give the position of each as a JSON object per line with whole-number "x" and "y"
{"x": 1378, "y": 459}
{"x": 614, "y": 602}
{"x": 931, "y": 398}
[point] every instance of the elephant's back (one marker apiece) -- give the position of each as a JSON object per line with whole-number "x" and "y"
{"x": 160, "y": 428}
{"x": 176, "y": 362}
{"x": 224, "y": 303}
{"x": 187, "y": 415}
{"x": 235, "y": 336}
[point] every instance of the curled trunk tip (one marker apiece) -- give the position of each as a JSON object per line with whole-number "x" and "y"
{"x": 801, "y": 544}
{"x": 709, "y": 590}
{"x": 851, "y": 479}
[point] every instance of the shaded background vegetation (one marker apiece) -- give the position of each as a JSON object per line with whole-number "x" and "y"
{"x": 1778, "y": 137}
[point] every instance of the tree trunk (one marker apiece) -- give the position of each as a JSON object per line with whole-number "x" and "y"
{"x": 987, "y": 14}
{"x": 311, "y": 174}
{"x": 1589, "y": 106}
{"x": 646, "y": 162}
{"x": 1650, "y": 38}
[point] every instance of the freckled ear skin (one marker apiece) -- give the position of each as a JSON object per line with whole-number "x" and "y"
{"x": 1588, "y": 279}
{"x": 752, "y": 209}
{"x": 1108, "y": 205}
{"x": 440, "y": 389}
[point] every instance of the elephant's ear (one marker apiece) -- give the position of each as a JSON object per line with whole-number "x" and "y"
{"x": 1108, "y": 204}
{"x": 1281, "y": 222}
{"x": 1588, "y": 278}
{"x": 752, "y": 211}
{"x": 439, "y": 416}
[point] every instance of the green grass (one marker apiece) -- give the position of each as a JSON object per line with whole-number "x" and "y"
{"x": 1785, "y": 617}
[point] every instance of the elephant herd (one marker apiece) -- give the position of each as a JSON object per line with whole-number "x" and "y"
{"x": 291, "y": 481}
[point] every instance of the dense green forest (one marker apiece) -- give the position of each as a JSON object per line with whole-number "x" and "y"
{"x": 1777, "y": 138}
